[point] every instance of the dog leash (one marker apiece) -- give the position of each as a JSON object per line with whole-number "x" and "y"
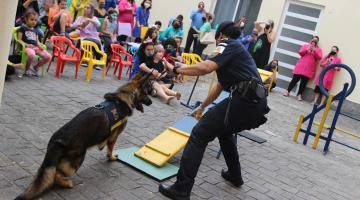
{"x": 119, "y": 123}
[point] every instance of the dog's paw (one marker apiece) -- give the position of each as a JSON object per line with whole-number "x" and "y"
{"x": 113, "y": 157}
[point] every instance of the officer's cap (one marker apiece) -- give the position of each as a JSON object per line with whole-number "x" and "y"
{"x": 229, "y": 29}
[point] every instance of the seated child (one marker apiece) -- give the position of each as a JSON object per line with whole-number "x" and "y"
{"x": 60, "y": 20}
{"x": 108, "y": 31}
{"x": 271, "y": 67}
{"x": 30, "y": 38}
{"x": 173, "y": 55}
{"x": 157, "y": 66}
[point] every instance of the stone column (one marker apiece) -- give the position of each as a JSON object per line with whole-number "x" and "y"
{"x": 7, "y": 19}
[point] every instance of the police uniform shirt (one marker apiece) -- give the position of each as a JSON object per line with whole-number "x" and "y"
{"x": 235, "y": 64}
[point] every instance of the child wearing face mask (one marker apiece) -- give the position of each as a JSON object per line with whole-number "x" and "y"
{"x": 331, "y": 58}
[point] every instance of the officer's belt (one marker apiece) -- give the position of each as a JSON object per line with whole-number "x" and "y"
{"x": 252, "y": 89}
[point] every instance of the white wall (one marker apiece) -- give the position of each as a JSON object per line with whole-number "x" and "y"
{"x": 339, "y": 25}
{"x": 6, "y": 23}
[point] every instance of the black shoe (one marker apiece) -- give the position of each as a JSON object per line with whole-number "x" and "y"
{"x": 172, "y": 193}
{"x": 237, "y": 182}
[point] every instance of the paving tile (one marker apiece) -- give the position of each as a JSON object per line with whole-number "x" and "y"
{"x": 278, "y": 169}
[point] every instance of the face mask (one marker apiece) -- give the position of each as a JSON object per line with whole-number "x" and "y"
{"x": 176, "y": 26}
{"x": 147, "y": 5}
{"x": 333, "y": 53}
{"x": 114, "y": 16}
{"x": 149, "y": 53}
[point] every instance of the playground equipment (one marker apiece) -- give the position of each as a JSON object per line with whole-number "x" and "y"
{"x": 340, "y": 97}
{"x": 152, "y": 158}
{"x": 163, "y": 147}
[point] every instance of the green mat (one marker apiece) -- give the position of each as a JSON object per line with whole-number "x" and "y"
{"x": 127, "y": 157}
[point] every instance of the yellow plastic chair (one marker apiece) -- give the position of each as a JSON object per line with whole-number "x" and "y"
{"x": 187, "y": 58}
{"x": 88, "y": 47}
{"x": 273, "y": 78}
{"x": 265, "y": 75}
{"x": 195, "y": 58}
{"x": 143, "y": 31}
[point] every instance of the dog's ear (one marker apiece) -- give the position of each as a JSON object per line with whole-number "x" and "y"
{"x": 144, "y": 78}
{"x": 111, "y": 96}
{"x": 137, "y": 77}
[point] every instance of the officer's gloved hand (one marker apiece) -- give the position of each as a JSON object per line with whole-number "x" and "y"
{"x": 198, "y": 113}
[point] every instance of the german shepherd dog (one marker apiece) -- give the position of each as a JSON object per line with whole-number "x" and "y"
{"x": 91, "y": 127}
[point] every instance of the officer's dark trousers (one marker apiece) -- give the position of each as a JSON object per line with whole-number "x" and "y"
{"x": 244, "y": 113}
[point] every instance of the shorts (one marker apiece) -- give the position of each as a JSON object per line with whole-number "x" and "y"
{"x": 57, "y": 27}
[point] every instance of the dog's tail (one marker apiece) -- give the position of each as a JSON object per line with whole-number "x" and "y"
{"x": 45, "y": 175}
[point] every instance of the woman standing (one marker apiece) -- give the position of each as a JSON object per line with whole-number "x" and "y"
{"x": 331, "y": 58}
{"x": 127, "y": 9}
{"x": 205, "y": 28}
{"x": 305, "y": 68}
{"x": 261, "y": 50}
{"x": 142, "y": 18}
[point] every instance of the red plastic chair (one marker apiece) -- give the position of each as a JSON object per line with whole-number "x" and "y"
{"x": 120, "y": 58}
{"x": 61, "y": 44}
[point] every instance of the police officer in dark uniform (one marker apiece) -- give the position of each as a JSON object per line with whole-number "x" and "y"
{"x": 244, "y": 109}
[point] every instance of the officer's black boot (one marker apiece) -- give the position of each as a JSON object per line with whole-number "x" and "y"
{"x": 235, "y": 181}
{"x": 173, "y": 193}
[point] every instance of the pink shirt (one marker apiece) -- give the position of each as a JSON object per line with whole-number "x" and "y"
{"x": 89, "y": 31}
{"x": 329, "y": 76}
{"x": 125, "y": 15}
{"x": 306, "y": 65}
